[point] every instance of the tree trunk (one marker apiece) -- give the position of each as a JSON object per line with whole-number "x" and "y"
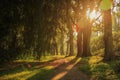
{"x": 71, "y": 42}
{"x": 86, "y": 40}
{"x": 68, "y": 48}
{"x": 55, "y": 46}
{"x": 88, "y": 37}
{"x": 108, "y": 36}
{"x": 62, "y": 43}
{"x": 69, "y": 25}
{"x": 79, "y": 44}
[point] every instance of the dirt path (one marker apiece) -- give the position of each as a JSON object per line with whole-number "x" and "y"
{"x": 64, "y": 69}
{"x": 69, "y": 70}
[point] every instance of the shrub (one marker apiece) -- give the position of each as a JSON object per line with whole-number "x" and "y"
{"x": 116, "y": 41}
{"x": 97, "y": 45}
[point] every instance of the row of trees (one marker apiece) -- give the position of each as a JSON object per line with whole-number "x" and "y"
{"x": 40, "y": 27}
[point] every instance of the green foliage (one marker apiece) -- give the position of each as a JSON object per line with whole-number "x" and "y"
{"x": 115, "y": 65}
{"x": 27, "y": 57}
{"x": 99, "y": 70}
{"x": 116, "y": 39}
{"x": 24, "y": 73}
{"x": 43, "y": 74}
{"x": 100, "y": 67}
{"x": 105, "y": 4}
{"x": 86, "y": 69}
{"x": 33, "y": 58}
{"x": 97, "y": 45}
{"x": 30, "y": 27}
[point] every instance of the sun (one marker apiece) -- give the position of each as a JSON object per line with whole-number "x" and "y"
{"x": 92, "y": 15}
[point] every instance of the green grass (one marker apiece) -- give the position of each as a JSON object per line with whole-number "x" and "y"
{"x": 99, "y": 70}
{"x": 92, "y": 66}
{"x": 30, "y": 58}
{"x": 34, "y": 72}
{"x": 42, "y": 74}
{"x": 86, "y": 69}
{"x": 29, "y": 74}
{"x": 48, "y": 58}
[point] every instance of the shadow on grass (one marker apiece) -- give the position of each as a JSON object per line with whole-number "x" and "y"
{"x": 115, "y": 66}
{"x": 68, "y": 71}
{"x": 97, "y": 69}
{"x": 41, "y": 74}
{"x": 75, "y": 70}
{"x": 85, "y": 66}
{"x": 17, "y": 67}
{"x": 48, "y": 74}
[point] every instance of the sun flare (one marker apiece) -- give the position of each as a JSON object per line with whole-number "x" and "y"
{"x": 92, "y": 15}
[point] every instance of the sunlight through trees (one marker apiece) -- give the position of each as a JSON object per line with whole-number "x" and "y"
{"x": 66, "y": 27}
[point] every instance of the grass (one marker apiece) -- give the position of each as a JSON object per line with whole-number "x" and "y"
{"x": 92, "y": 66}
{"x": 48, "y": 58}
{"x": 29, "y": 74}
{"x": 99, "y": 70}
{"x": 31, "y": 58}
{"x": 28, "y": 69}
{"x": 42, "y": 74}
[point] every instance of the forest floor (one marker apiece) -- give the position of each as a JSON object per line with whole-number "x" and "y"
{"x": 67, "y": 68}
{"x": 60, "y": 69}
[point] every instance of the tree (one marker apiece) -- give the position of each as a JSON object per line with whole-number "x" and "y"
{"x": 108, "y": 35}
{"x": 83, "y": 38}
{"x": 69, "y": 25}
{"x": 108, "y": 41}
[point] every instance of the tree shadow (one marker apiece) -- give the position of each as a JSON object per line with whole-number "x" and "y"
{"x": 50, "y": 73}
{"x": 69, "y": 71}
{"x": 42, "y": 74}
{"x": 64, "y": 71}
{"x": 115, "y": 66}
{"x": 85, "y": 66}
{"x": 75, "y": 73}
{"x": 17, "y": 67}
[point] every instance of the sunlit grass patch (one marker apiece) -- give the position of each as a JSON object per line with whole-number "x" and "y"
{"x": 48, "y": 58}
{"x": 14, "y": 70}
{"x": 101, "y": 67}
{"x": 40, "y": 74}
{"x": 26, "y": 57}
{"x": 16, "y": 75}
{"x": 25, "y": 69}
{"x": 95, "y": 59}
{"x": 103, "y": 71}
{"x": 31, "y": 58}
{"x": 33, "y": 74}
{"x": 99, "y": 70}
{"x": 32, "y": 70}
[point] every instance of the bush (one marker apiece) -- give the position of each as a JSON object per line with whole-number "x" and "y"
{"x": 116, "y": 41}
{"x": 97, "y": 45}
{"x": 86, "y": 69}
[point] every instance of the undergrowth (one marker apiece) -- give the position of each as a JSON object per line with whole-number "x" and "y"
{"x": 97, "y": 69}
